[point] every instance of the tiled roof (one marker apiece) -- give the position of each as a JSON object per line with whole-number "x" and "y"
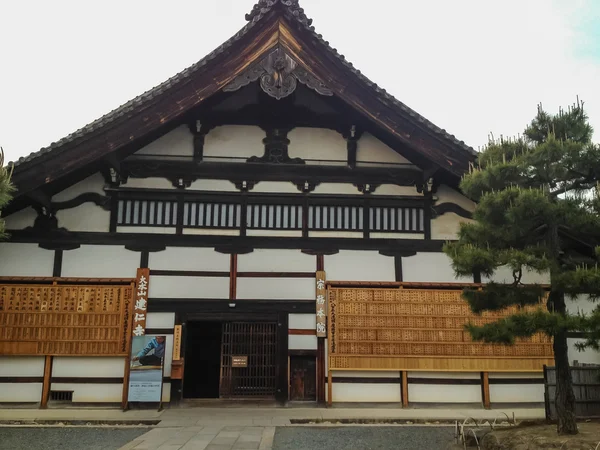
{"x": 260, "y": 9}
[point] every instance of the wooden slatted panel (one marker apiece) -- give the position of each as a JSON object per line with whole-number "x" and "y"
{"x": 412, "y": 329}
{"x": 211, "y": 215}
{"x": 257, "y": 341}
{"x": 144, "y": 213}
{"x": 274, "y": 217}
{"x": 65, "y": 320}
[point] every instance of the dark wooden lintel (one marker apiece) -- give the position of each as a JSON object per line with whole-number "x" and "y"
{"x": 53, "y": 240}
{"x": 313, "y": 174}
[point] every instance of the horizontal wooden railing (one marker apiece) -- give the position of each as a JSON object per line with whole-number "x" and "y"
{"x": 246, "y": 212}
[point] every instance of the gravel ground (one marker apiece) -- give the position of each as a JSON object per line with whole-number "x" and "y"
{"x": 363, "y": 438}
{"x": 66, "y": 438}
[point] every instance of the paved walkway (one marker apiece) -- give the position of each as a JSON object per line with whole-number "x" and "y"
{"x": 223, "y": 428}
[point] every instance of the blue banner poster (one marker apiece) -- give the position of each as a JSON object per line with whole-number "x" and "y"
{"x": 146, "y": 369}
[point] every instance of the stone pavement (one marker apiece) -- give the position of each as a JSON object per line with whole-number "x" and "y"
{"x": 246, "y": 428}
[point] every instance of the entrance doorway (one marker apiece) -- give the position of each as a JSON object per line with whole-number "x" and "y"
{"x": 202, "y": 360}
{"x": 231, "y": 360}
{"x": 256, "y": 343}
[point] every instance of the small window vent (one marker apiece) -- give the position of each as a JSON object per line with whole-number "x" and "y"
{"x": 61, "y": 396}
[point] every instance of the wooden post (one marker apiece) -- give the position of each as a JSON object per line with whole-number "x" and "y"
{"x": 320, "y": 350}
{"x": 233, "y": 276}
{"x": 47, "y": 382}
{"x": 404, "y": 389}
{"x": 485, "y": 389}
{"x": 126, "y": 370}
{"x": 329, "y": 388}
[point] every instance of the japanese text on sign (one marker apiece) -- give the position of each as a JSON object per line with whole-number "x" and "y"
{"x": 321, "y": 306}
{"x": 141, "y": 302}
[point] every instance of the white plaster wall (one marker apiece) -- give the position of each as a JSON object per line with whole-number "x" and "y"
{"x": 21, "y": 366}
{"x": 516, "y": 393}
{"x": 337, "y": 234}
{"x": 21, "y": 219}
{"x": 356, "y": 265}
{"x": 446, "y": 194}
{"x": 185, "y": 258}
{"x": 275, "y": 186}
{"x": 179, "y": 142}
{"x": 86, "y": 217}
{"x": 301, "y": 342}
{"x": 25, "y": 260}
{"x": 276, "y": 288}
{"x": 302, "y": 321}
{"x": 395, "y": 190}
{"x": 447, "y": 226}
{"x": 317, "y": 144}
{"x": 188, "y": 287}
{"x": 212, "y": 231}
{"x": 278, "y": 233}
{"x": 588, "y": 356}
{"x": 372, "y": 150}
{"x": 433, "y": 267}
{"x": 445, "y": 375}
{"x": 88, "y": 366}
{"x": 152, "y": 230}
{"x": 212, "y": 185}
{"x": 100, "y": 261}
{"x": 239, "y": 141}
{"x": 149, "y": 183}
{"x": 366, "y": 374}
{"x": 580, "y": 305}
{"x": 363, "y": 392}
{"x": 337, "y": 188}
{"x": 504, "y": 275}
{"x": 20, "y": 392}
{"x": 92, "y": 393}
{"x": 261, "y": 260}
{"x": 388, "y": 235}
{"x": 160, "y": 320}
{"x": 94, "y": 183}
{"x": 441, "y": 393}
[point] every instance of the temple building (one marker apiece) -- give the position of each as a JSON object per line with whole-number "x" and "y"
{"x": 286, "y": 216}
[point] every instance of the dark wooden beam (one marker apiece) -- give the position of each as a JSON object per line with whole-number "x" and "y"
{"x": 324, "y": 245}
{"x": 313, "y": 174}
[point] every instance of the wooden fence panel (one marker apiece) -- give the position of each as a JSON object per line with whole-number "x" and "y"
{"x": 91, "y": 320}
{"x": 420, "y": 329}
{"x": 586, "y": 387}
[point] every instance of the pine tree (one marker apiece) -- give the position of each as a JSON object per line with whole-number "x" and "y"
{"x": 6, "y": 189}
{"x": 537, "y": 210}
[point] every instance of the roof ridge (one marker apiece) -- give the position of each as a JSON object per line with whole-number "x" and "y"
{"x": 264, "y": 6}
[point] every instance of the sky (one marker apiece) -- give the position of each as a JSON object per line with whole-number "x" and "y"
{"x": 472, "y": 67}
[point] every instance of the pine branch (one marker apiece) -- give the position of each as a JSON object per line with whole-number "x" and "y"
{"x": 495, "y": 297}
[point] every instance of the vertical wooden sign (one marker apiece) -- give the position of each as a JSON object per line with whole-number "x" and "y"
{"x": 321, "y": 304}
{"x": 177, "y": 343}
{"x": 140, "y": 307}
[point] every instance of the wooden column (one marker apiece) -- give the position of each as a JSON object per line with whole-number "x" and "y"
{"x": 321, "y": 363}
{"x": 404, "y": 388}
{"x": 126, "y": 372}
{"x": 46, "y": 384}
{"x": 485, "y": 389}
{"x": 329, "y": 388}
{"x": 233, "y": 276}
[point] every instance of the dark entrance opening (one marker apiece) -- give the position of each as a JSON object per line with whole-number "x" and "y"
{"x": 202, "y": 360}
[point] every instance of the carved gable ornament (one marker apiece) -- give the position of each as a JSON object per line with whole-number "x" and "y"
{"x": 279, "y": 74}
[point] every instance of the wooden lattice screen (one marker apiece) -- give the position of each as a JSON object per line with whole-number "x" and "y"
{"x": 92, "y": 320}
{"x": 419, "y": 329}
